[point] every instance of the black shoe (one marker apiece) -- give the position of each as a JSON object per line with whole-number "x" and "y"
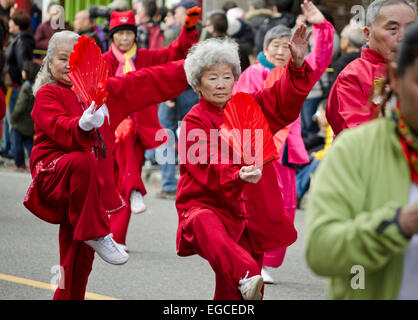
{"x": 167, "y": 195}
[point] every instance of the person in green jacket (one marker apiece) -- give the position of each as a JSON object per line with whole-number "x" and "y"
{"x": 362, "y": 217}
{"x": 21, "y": 121}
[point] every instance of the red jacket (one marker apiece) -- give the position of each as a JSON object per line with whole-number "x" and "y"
{"x": 349, "y": 96}
{"x": 218, "y": 186}
{"x": 56, "y": 113}
{"x": 146, "y": 122}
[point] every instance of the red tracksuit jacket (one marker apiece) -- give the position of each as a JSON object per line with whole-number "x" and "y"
{"x": 349, "y": 96}
{"x": 146, "y": 122}
{"x": 56, "y": 113}
{"x": 218, "y": 187}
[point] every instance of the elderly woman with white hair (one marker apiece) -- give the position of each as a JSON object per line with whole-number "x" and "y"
{"x": 72, "y": 158}
{"x": 275, "y": 55}
{"x": 220, "y": 215}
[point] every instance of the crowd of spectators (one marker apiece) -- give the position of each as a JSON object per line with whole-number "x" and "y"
{"x": 24, "y": 38}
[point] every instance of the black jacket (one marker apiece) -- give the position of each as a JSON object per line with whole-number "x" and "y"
{"x": 286, "y": 18}
{"x": 20, "y": 49}
{"x": 91, "y": 34}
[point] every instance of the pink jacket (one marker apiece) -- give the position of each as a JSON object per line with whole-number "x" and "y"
{"x": 251, "y": 80}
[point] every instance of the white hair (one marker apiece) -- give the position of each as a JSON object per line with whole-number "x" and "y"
{"x": 45, "y": 76}
{"x": 208, "y": 53}
{"x": 374, "y": 8}
{"x": 276, "y": 32}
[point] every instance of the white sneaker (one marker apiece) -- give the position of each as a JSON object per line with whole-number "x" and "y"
{"x": 108, "y": 249}
{"x": 267, "y": 278}
{"x": 124, "y": 247}
{"x": 250, "y": 288}
{"x": 137, "y": 202}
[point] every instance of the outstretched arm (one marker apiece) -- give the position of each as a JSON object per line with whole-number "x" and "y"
{"x": 323, "y": 39}
{"x": 147, "y": 86}
{"x": 282, "y": 102}
{"x": 179, "y": 48}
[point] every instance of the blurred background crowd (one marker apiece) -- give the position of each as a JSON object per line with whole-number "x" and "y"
{"x": 27, "y": 26}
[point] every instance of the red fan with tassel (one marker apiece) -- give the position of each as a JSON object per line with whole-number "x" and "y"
{"x": 274, "y": 75}
{"x": 88, "y": 72}
{"x": 246, "y": 130}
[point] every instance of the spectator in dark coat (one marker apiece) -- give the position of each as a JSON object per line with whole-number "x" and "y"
{"x": 257, "y": 14}
{"x": 20, "y": 49}
{"x": 21, "y": 120}
{"x": 242, "y": 33}
{"x": 84, "y": 25}
{"x": 352, "y": 39}
{"x": 281, "y": 15}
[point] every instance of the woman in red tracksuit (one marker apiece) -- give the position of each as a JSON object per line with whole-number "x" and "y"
{"x": 72, "y": 158}
{"x": 122, "y": 57}
{"x": 226, "y": 215}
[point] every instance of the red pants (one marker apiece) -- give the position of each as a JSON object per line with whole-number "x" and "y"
{"x": 75, "y": 182}
{"x": 287, "y": 182}
{"x": 129, "y": 157}
{"x": 230, "y": 261}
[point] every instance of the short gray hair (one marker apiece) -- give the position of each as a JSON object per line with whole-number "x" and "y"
{"x": 45, "y": 75}
{"x": 374, "y": 8}
{"x": 208, "y": 53}
{"x": 276, "y": 32}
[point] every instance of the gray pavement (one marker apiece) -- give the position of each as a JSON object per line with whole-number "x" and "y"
{"x": 29, "y": 251}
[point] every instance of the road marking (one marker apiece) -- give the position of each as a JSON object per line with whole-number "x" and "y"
{"x": 47, "y": 286}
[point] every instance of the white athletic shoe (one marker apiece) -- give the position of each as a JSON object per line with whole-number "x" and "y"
{"x": 124, "y": 247}
{"x": 250, "y": 288}
{"x": 267, "y": 278}
{"x": 108, "y": 249}
{"x": 137, "y": 202}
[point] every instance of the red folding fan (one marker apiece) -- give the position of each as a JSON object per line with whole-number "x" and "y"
{"x": 281, "y": 135}
{"x": 88, "y": 72}
{"x": 246, "y": 130}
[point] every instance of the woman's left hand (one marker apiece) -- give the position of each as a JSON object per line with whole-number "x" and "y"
{"x": 311, "y": 13}
{"x": 299, "y": 44}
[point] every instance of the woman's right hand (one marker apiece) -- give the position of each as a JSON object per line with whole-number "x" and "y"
{"x": 250, "y": 174}
{"x": 92, "y": 119}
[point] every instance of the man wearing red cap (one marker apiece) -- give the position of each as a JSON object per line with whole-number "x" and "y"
{"x": 137, "y": 133}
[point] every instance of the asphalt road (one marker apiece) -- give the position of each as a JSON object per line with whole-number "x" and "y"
{"x": 29, "y": 257}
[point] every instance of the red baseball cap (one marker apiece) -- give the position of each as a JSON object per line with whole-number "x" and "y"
{"x": 122, "y": 20}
